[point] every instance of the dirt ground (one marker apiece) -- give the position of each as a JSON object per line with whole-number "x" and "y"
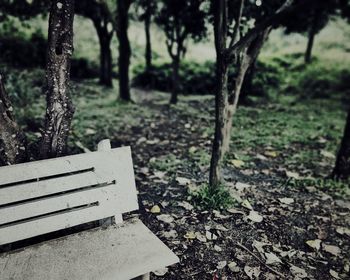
{"x": 274, "y": 231}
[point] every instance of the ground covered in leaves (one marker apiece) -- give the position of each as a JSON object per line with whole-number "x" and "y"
{"x": 286, "y": 222}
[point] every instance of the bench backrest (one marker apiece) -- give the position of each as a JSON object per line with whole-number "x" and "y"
{"x": 49, "y": 195}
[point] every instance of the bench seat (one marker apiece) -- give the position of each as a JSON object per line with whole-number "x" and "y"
{"x": 118, "y": 252}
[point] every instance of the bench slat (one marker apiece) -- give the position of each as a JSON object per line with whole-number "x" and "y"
{"x": 63, "y": 165}
{"x": 48, "y": 187}
{"x": 118, "y": 253}
{"x": 114, "y": 165}
{"x": 59, "y": 203}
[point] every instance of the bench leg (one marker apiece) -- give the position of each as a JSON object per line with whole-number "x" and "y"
{"x": 143, "y": 277}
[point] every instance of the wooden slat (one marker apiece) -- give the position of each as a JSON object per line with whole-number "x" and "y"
{"x": 63, "y": 165}
{"x": 118, "y": 253}
{"x": 52, "y": 186}
{"x": 115, "y": 164}
{"x": 62, "y": 202}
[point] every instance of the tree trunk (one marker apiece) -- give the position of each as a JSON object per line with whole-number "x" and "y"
{"x": 148, "y": 51}
{"x": 124, "y": 49}
{"x": 311, "y": 39}
{"x": 105, "y": 54}
{"x": 12, "y": 139}
{"x": 342, "y": 165}
{"x": 220, "y": 33}
{"x": 175, "y": 79}
{"x": 60, "y": 110}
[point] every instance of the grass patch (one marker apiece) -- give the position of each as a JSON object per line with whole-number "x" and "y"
{"x": 336, "y": 188}
{"x": 207, "y": 198}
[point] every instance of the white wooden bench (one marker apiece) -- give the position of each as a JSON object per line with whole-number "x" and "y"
{"x": 47, "y": 196}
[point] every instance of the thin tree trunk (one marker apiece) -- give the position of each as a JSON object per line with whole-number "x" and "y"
{"x": 105, "y": 54}
{"x": 342, "y": 165}
{"x": 60, "y": 110}
{"x": 175, "y": 80}
{"x": 311, "y": 39}
{"x": 12, "y": 139}
{"x": 124, "y": 49}
{"x": 148, "y": 51}
{"x": 220, "y": 33}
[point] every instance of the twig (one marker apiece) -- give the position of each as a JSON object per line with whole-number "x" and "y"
{"x": 260, "y": 260}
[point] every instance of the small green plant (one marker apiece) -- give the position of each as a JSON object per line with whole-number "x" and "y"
{"x": 209, "y": 198}
{"x": 334, "y": 187}
{"x": 168, "y": 163}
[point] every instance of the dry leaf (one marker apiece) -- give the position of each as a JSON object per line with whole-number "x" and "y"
{"x": 271, "y": 258}
{"x": 334, "y": 274}
{"x": 259, "y": 246}
{"x": 165, "y": 218}
{"x": 298, "y": 272}
{"x": 190, "y": 235}
{"x": 314, "y": 244}
{"x": 252, "y": 272}
{"x": 221, "y": 264}
{"x": 185, "y": 205}
{"x": 286, "y": 200}
{"x": 183, "y": 181}
{"x": 155, "y": 209}
{"x": 255, "y": 217}
{"x": 334, "y": 250}
{"x": 237, "y": 163}
{"x": 246, "y": 204}
{"x": 233, "y": 267}
{"x": 272, "y": 154}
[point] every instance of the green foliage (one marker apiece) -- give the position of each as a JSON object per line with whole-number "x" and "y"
{"x": 336, "y": 188}
{"x": 168, "y": 163}
{"x": 212, "y": 198}
{"x": 196, "y": 78}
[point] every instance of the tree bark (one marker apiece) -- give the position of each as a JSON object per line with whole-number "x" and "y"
{"x": 220, "y": 34}
{"x": 175, "y": 79}
{"x": 148, "y": 50}
{"x": 124, "y": 49}
{"x": 342, "y": 165}
{"x": 311, "y": 39}
{"x": 105, "y": 54}
{"x": 60, "y": 110}
{"x": 12, "y": 139}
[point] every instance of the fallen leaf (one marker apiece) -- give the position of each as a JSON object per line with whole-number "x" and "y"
{"x": 155, "y": 209}
{"x": 165, "y": 218}
{"x": 237, "y": 163}
{"x": 183, "y": 181}
{"x": 255, "y": 217}
{"x": 246, "y": 204}
{"x": 201, "y": 237}
{"x": 343, "y": 230}
{"x": 235, "y": 211}
{"x": 252, "y": 272}
{"x": 185, "y": 205}
{"x": 327, "y": 154}
{"x": 314, "y": 244}
{"x": 221, "y": 264}
{"x": 170, "y": 234}
{"x": 334, "y": 274}
{"x": 233, "y": 267}
{"x": 293, "y": 175}
{"x": 259, "y": 246}
{"x": 272, "y": 154}
{"x": 286, "y": 200}
{"x": 190, "y": 235}
{"x": 298, "y": 272}
{"x": 210, "y": 236}
{"x": 334, "y": 250}
{"x": 217, "y": 248}
{"x": 271, "y": 258}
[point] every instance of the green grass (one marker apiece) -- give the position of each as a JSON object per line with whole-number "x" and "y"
{"x": 207, "y": 198}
